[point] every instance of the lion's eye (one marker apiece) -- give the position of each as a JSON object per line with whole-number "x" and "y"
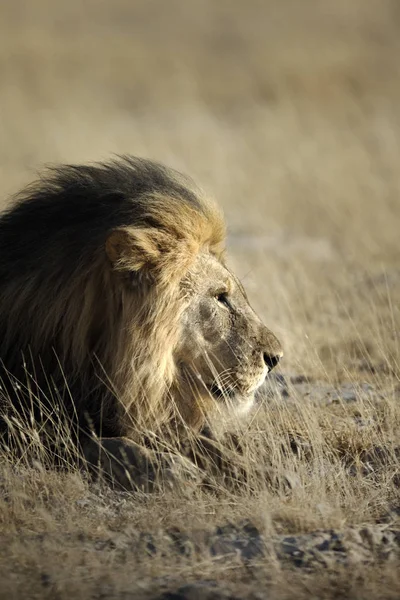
{"x": 222, "y": 298}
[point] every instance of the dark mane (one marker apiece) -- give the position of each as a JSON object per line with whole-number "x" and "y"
{"x": 70, "y": 334}
{"x": 81, "y": 202}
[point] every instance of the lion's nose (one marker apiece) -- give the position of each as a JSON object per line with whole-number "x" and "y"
{"x": 271, "y": 360}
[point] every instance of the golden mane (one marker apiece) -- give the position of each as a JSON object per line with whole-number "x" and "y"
{"x": 67, "y": 324}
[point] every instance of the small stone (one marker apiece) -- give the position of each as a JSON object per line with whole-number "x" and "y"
{"x": 82, "y": 503}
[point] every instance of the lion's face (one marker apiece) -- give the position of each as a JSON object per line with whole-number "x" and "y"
{"x": 226, "y": 351}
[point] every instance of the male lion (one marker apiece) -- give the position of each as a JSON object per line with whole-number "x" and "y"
{"x": 116, "y": 306}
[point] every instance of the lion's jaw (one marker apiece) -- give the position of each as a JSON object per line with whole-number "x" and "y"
{"x": 222, "y": 354}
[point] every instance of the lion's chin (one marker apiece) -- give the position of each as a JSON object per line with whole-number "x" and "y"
{"x": 244, "y": 405}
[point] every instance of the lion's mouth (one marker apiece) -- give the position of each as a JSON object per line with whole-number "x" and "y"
{"x": 219, "y": 394}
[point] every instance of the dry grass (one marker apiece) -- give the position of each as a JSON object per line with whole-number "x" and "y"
{"x": 288, "y": 112}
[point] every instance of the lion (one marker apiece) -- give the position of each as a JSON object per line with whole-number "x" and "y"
{"x": 116, "y": 306}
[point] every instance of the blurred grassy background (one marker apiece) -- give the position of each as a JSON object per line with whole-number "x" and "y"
{"x": 285, "y": 110}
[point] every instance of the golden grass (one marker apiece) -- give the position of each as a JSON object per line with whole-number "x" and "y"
{"x": 288, "y": 113}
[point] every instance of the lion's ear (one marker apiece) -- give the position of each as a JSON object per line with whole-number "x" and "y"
{"x": 132, "y": 249}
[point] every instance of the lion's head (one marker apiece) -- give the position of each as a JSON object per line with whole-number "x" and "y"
{"x": 113, "y": 284}
{"x": 224, "y": 352}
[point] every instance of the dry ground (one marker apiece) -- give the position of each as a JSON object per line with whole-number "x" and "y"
{"x": 288, "y": 112}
